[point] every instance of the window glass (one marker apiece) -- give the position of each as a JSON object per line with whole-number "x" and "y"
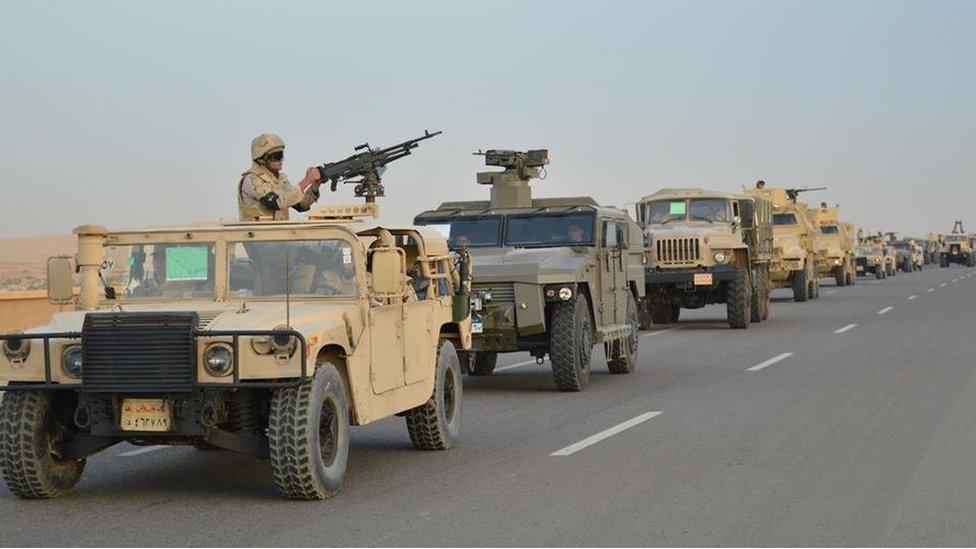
{"x": 575, "y": 229}
{"x": 470, "y": 233}
{"x": 784, "y": 219}
{"x": 829, "y": 229}
{"x": 708, "y": 210}
{"x": 303, "y": 267}
{"x": 170, "y": 271}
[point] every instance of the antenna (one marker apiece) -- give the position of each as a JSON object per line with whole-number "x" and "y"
{"x": 288, "y": 290}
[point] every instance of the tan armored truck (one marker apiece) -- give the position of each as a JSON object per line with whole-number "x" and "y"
{"x": 555, "y": 276}
{"x": 933, "y": 246}
{"x": 705, "y": 247}
{"x": 794, "y": 262}
{"x": 958, "y": 248}
{"x": 834, "y": 242}
{"x": 869, "y": 259}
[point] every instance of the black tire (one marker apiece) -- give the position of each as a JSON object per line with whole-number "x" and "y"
{"x": 840, "y": 277}
{"x": 675, "y": 312}
{"x": 309, "y": 463}
{"x": 571, "y": 343}
{"x": 850, "y": 278}
{"x": 800, "y": 290}
{"x": 644, "y": 319}
{"x": 482, "y": 364}
{"x": 621, "y": 363}
{"x": 767, "y": 292}
{"x": 815, "y": 288}
{"x": 436, "y": 424}
{"x": 663, "y": 312}
{"x": 757, "y": 298}
{"x": 28, "y": 428}
{"x": 738, "y": 298}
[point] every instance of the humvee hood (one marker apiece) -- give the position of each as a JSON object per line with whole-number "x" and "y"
{"x": 529, "y": 265}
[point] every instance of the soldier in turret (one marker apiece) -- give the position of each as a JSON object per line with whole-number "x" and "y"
{"x": 264, "y": 193}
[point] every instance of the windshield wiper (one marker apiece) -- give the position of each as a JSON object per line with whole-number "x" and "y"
{"x": 699, "y": 218}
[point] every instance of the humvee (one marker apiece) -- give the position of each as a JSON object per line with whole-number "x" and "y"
{"x": 958, "y": 248}
{"x": 834, "y": 242}
{"x": 933, "y": 248}
{"x": 269, "y": 338}
{"x": 555, "y": 276}
{"x": 706, "y": 247}
{"x": 870, "y": 259}
{"x": 794, "y": 262}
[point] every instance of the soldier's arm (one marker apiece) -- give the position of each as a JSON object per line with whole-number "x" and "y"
{"x": 304, "y": 195}
{"x": 253, "y": 191}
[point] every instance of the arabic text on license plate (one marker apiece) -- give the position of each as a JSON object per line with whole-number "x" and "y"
{"x": 703, "y": 279}
{"x": 145, "y": 414}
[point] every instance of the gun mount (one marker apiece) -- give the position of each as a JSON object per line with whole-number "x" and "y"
{"x": 957, "y": 228}
{"x": 510, "y": 187}
{"x": 793, "y": 193}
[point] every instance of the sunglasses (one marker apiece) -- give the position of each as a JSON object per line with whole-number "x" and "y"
{"x": 276, "y": 156}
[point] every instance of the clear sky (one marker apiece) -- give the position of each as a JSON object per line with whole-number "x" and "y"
{"x": 142, "y": 113}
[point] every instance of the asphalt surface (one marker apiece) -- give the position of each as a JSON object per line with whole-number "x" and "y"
{"x": 804, "y": 430}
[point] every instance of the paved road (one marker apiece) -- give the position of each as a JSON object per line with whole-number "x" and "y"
{"x": 850, "y": 420}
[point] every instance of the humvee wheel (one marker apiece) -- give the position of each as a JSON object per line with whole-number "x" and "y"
{"x": 664, "y": 312}
{"x": 626, "y": 364}
{"x": 436, "y": 425}
{"x": 840, "y": 277}
{"x": 800, "y": 290}
{"x": 307, "y": 462}
{"x": 815, "y": 288}
{"x": 29, "y": 431}
{"x": 571, "y": 343}
{"x": 738, "y": 299}
{"x": 482, "y": 364}
{"x": 759, "y": 304}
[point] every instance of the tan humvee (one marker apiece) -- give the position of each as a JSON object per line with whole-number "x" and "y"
{"x": 834, "y": 242}
{"x": 870, "y": 259}
{"x": 706, "y": 247}
{"x": 794, "y": 262}
{"x": 957, "y": 248}
{"x": 268, "y": 338}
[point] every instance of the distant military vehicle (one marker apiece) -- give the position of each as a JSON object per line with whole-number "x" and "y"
{"x": 706, "y": 247}
{"x": 834, "y": 243}
{"x": 869, "y": 259}
{"x": 794, "y": 263}
{"x": 958, "y": 248}
{"x": 553, "y": 275}
{"x": 933, "y": 246}
{"x": 269, "y": 338}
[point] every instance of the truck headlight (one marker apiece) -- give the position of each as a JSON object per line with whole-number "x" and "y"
{"x": 559, "y": 293}
{"x": 565, "y": 293}
{"x": 16, "y": 349}
{"x": 218, "y": 359}
{"x": 71, "y": 360}
{"x": 719, "y": 257}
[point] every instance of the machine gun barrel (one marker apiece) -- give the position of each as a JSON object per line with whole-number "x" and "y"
{"x": 792, "y": 193}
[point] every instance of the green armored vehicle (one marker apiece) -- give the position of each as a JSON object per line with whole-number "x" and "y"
{"x": 553, "y": 276}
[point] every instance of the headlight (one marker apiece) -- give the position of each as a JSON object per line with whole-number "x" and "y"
{"x": 16, "y": 349}
{"x": 719, "y": 257}
{"x": 218, "y": 359}
{"x": 71, "y": 361}
{"x": 565, "y": 293}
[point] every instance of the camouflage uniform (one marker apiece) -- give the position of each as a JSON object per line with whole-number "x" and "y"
{"x": 258, "y": 183}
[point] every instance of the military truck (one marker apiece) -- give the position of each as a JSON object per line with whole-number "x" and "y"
{"x": 958, "y": 248}
{"x": 870, "y": 259}
{"x": 794, "y": 263}
{"x": 933, "y": 246}
{"x": 834, "y": 242}
{"x": 269, "y": 338}
{"x": 705, "y": 247}
{"x": 555, "y": 276}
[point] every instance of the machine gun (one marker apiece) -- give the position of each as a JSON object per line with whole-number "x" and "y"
{"x": 510, "y": 187}
{"x": 369, "y": 166}
{"x": 957, "y": 228}
{"x": 792, "y": 193}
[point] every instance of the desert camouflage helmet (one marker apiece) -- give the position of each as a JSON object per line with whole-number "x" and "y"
{"x": 264, "y": 144}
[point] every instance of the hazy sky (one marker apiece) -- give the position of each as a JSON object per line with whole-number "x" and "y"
{"x": 141, "y": 114}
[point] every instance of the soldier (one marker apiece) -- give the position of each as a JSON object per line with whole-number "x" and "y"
{"x": 264, "y": 192}
{"x": 760, "y": 184}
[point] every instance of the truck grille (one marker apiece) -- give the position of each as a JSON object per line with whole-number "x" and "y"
{"x": 500, "y": 291}
{"x": 138, "y": 352}
{"x": 677, "y": 250}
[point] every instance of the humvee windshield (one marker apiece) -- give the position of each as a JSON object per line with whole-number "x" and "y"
{"x": 470, "y": 233}
{"x": 311, "y": 267}
{"x": 149, "y": 271}
{"x": 575, "y": 229}
{"x": 830, "y": 229}
{"x": 865, "y": 251}
{"x": 699, "y": 209}
{"x": 955, "y": 238}
{"x": 900, "y": 245}
{"x": 784, "y": 219}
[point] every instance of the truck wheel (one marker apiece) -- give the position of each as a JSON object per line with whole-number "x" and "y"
{"x": 482, "y": 364}
{"x": 436, "y": 425}
{"x": 663, "y": 312}
{"x": 738, "y": 299}
{"x": 971, "y": 261}
{"x": 879, "y": 273}
{"x": 308, "y": 436}
{"x": 29, "y": 430}
{"x": 800, "y": 290}
{"x": 675, "y": 312}
{"x": 767, "y": 286}
{"x": 620, "y": 363}
{"x": 571, "y": 343}
{"x": 757, "y": 298}
{"x": 644, "y": 320}
{"x": 840, "y": 277}
{"x": 816, "y": 288}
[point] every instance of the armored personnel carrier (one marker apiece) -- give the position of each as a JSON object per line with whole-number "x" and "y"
{"x": 834, "y": 242}
{"x": 554, "y": 276}
{"x": 958, "y": 248}
{"x": 706, "y": 247}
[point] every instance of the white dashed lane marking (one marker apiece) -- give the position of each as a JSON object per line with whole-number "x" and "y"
{"x": 943, "y": 285}
{"x": 605, "y": 434}
{"x": 885, "y": 310}
{"x": 649, "y": 334}
{"x": 845, "y": 328}
{"x": 930, "y": 290}
{"x": 140, "y": 451}
{"x": 911, "y": 297}
{"x": 769, "y": 362}
{"x": 520, "y": 364}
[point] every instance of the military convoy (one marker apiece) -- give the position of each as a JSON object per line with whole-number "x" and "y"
{"x": 706, "y": 247}
{"x": 554, "y": 276}
{"x": 834, "y": 242}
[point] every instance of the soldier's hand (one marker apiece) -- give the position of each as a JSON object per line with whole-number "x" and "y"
{"x": 312, "y": 175}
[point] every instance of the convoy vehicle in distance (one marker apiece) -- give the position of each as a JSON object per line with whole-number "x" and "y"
{"x": 554, "y": 276}
{"x": 794, "y": 262}
{"x": 933, "y": 246}
{"x": 958, "y": 248}
{"x": 869, "y": 259}
{"x": 908, "y": 255}
{"x": 269, "y": 338}
{"x": 834, "y": 242}
{"x": 705, "y": 247}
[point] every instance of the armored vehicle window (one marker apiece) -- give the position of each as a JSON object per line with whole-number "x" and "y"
{"x": 160, "y": 271}
{"x": 314, "y": 267}
{"x": 955, "y": 238}
{"x": 865, "y": 251}
{"x": 784, "y": 219}
{"x": 575, "y": 229}
{"x": 664, "y": 211}
{"x": 830, "y": 229}
{"x": 708, "y": 210}
{"x": 470, "y": 233}
{"x": 699, "y": 209}
{"x": 900, "y": 245}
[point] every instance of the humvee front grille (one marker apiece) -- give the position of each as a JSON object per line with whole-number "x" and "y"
{"x": 500, "y": 291}
{"x": 677, "y": 250}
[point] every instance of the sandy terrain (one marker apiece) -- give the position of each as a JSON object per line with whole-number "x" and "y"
{"x": 23, "y": 261}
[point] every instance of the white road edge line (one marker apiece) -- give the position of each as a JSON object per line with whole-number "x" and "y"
{"x": 769, "y": 362}
{"x": 605, "y": 434}
{"x": 140, "y": 451}
{"x": 844, "y": 329}
{"x": 649, "y": 334}
{"x": 911, "y": 297}
{"x": 885, "y": 310}
{"x": 520, "y": 364}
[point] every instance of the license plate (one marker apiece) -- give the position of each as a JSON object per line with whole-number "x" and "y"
{"x": 703, "y": 279}
{"x": 146, "y": 414}
{"x": 477, "y": 327}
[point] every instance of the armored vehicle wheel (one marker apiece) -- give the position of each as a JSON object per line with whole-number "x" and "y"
{"x": 307, "y": 462}
{"x": 738, "y": 299}
{"x": 815, "y": 288}
{"x": 840, "y": 277}
{"x": 664, "y": 312}
{"x": 482, "y": 364}
{"x": 29, "y": 432}
{"x": 879, "y": 273}
{"x": 436, "y": 424}
{"x": 850, "y": 279}
{"x": 800, "y": 290}
{"x": 571, "y": 343}
{"x": 758, "y": 304}
{"x": 622, "y": 363}
{"x": 644, "y": 315}
{"x": 971, "y": 261}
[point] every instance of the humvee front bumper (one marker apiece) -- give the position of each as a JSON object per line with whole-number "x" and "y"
{"x": 720, "y": 273}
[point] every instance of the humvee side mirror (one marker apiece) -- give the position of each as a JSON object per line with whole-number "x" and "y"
{"x": 60, "y": 287}
{"x": 389, "y": 270}
{"x": 461, "y": 304}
